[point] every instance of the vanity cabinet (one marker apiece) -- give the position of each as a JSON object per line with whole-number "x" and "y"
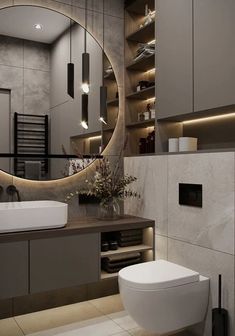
{"x": 13, "y": 269}
{"x": 64, "y": 262}
{"x": 195, "y": 56}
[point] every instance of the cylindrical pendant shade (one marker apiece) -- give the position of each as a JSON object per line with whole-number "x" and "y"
{"x": 84, "y": 121}
{"x": 85, "y": 68}
{"x": 70, "y": 79}
{"x": 103, "y": 104}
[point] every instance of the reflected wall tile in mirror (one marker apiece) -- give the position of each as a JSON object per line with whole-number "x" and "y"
{"x": 12, "y": 78}
{"x": 111, "y": 7}
{"x": 36, "y": 56}
{"x": 36, "y": 92}
{"x": 11, "y": 51}
{"x": 62, "y": 8}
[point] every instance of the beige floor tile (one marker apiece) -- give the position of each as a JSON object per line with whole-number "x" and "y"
{"x": 141, "y": 332}
{"x": 53, "y": 318}
{"x": 100, "y": 326}
{"x": 109, "y": 304}
{"x": 123, "y": 320}
{"x": 8, "y": 327}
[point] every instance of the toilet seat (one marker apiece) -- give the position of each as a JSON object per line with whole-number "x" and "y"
{"x": 154, "y": 275}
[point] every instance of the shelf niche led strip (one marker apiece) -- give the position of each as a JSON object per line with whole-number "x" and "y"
{"x": 221, "y": 116}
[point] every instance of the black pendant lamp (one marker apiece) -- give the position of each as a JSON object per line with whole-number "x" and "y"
{"x": 103, "y": 88}
{"x": 70, "y": 67}
{"x": 84, "y": 121}
{"x": 85, "y": 61}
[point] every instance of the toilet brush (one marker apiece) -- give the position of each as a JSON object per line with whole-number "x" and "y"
{"x": 219, "y": 316}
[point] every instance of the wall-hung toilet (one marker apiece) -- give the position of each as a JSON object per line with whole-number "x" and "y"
{"x": 163, "y": 297}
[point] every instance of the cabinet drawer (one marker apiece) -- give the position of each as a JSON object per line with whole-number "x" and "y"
{"x": 13, "y": 269}
{"x": 64, "y": 262}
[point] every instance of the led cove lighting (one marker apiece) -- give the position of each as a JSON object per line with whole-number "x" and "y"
{"x": 95, "y": 137}
{"x": 222, "y": 116}
{"x": 38, "y": 26}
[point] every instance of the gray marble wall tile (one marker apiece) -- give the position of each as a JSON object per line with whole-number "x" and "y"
{"x": 36, "y": 56}
{"x": 36, "y": 92}
{"x": 151, "y": 184}
{"x": 11, "y": 51}
{"x": 12, "y": 78}
{"x": 160, "y": 247}
{"x": 212, "y": 225}
{"x": 208, "y": 263}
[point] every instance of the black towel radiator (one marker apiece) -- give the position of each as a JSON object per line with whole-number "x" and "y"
{"x": 30, "y": 137}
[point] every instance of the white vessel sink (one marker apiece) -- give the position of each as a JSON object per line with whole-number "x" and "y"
{"x": 33, "y": 215}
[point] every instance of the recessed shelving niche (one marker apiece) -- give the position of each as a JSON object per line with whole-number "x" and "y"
{"x": 140, "y": 76}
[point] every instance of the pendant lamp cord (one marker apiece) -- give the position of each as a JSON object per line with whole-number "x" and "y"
{"x": 85, "y": 35}
{"x": 70, "y": 40}
{"x": 103, "y": 46}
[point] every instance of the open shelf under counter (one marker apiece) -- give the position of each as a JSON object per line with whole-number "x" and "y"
{"x": 128, "y": 249}
{"x": 143, "y": 34}
{"x": 140, "y": 124}
{"x": 105, "y": 275}
{"x": 144, "y": 64}
{"x": 143, "y": 94}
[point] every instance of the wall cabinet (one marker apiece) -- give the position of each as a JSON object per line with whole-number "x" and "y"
{"x": 13, "y": 269}
{"x": 195, "y": 56}
{"x": 64, "y": 262}
{"x": 214, "y": 54}
{"x": 174, "y": 76}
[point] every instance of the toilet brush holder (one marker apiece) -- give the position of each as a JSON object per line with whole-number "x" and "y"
{"x": 219, "y": 316}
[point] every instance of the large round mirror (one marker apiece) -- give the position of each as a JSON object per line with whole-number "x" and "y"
{"x": 45, "y": 108}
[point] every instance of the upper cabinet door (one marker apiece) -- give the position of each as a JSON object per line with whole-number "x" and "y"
{"x": 214, "y": 53}
{"x": 174, "y": 59}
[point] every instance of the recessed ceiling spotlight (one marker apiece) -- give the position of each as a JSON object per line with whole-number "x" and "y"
{"x": 38, "y": 26}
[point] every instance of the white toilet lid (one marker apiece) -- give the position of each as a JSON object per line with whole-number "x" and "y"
{"x": 157, "y": 275}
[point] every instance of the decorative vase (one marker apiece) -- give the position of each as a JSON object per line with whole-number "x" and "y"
{"x": 109, "y": 210}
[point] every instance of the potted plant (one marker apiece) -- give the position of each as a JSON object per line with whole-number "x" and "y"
{"x": 109, "y": 186}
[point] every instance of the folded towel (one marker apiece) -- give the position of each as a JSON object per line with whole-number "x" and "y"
{"x": 132, "y": 232}
{"x": 122, "y": 263}
{"x": 114, "y": 269}
{"x": 130, "y": 238}
{"x": 121, "y": 257}
{"x": 131, "y": 243}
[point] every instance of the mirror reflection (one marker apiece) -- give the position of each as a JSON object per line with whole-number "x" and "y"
{"x": 40, "y": 115}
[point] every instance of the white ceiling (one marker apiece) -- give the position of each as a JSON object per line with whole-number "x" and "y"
{"x": 19, "y": 22}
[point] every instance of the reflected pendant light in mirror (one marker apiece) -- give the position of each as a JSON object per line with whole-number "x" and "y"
{"x": 70, "y": 67}
{"x": 84, "y": 121}
{"x": 103, "y": 88}
{"x": 85, "y": 61}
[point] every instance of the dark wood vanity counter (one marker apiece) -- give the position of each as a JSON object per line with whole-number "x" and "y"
{"x": 79, "y": 226}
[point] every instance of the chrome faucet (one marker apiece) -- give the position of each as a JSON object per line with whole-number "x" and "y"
{"x": 11, "y": 190}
